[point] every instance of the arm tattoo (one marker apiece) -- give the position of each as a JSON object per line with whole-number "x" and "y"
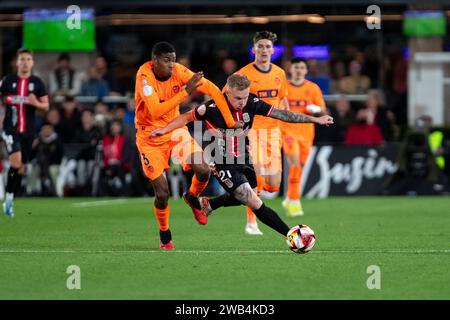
{"x": 289, "y": 116}
{"x": 243, "y": 193}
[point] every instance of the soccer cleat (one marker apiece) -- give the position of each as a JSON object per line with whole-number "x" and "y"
{"x": 193, "y": 202}
{"x": 167, "y": 246}
{"x": 206, "y": 208}
{"x": 8, "y": 208}
{"x": 252, "y": 229}
{"x": 293, "y": 208}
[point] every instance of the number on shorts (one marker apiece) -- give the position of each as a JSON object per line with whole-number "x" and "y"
{"x": 146, "y": 161}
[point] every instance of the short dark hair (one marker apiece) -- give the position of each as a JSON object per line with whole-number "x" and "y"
{"x": 64, "y": 56}
{"x": 161, "y": 48}
{"x": 298, "y": 60}
{"x": 264, "y": 35}
{"x": 24, "y": 50}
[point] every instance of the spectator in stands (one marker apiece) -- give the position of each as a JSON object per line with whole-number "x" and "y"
{"x": 89, "y": 136}
{"x": 128, "y": 121}
{"x": 355, "y": 83}
{"x": 228, "y": 67}
{"x": 337, "y": 73}
{"x": 65, "y": 80}
{"x": 102, "y": 68}
{"x": 318, "y": 74}
{"x": 363, "y": 133}
{"x": 343, "y": 116}
{"x": 95, "y": 86}
{"x": 53, "y": 117}
{"x": 116, "y": 161}
{"x": 48, "y": 153}
{"x": 70, "y": 120}
{"x": 102, "y": 116}
{"x": 379, "y": 115}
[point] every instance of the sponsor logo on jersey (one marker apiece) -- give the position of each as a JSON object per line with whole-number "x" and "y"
{"x": 271, "y": 93}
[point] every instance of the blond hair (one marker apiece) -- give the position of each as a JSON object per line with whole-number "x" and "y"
{"x": 238, "y": 81}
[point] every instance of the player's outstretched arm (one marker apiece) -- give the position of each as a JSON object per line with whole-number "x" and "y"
{"x": 209, "y": 88}
{"x": 297, "y": 117}
{"x": 176, "y": 123}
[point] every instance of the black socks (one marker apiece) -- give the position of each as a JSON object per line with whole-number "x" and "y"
{"x": 13, "y": 180}
{"x": 225, "y": 200}
{"x": 271, "y": 218}
{"x": 165, "y": 236}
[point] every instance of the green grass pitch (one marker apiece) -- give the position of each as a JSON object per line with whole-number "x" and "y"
{"x": 115, "y": 244}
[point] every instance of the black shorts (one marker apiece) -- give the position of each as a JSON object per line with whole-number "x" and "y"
{"x": 16, "y": 141}
{"x": 232, "y": 176}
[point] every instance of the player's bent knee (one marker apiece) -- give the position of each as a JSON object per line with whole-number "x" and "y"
{"x": 255, "y": 203}
{"x": 202, "y": 172}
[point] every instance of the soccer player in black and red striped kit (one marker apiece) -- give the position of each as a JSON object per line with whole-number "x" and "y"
{"x": 228, "y": 150}
{"x": 21, "y": 94}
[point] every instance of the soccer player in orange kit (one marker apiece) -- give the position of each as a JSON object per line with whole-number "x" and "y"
{"x": 268, "y": 83}
{"x": 161, "y": 85}
{"x": 305, "y": 97}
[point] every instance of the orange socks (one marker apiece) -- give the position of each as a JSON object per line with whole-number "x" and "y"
{"x": 251, "y": 218}
{"x": 162, "y": 215}
{"x": 197, "y": 186}
{"x": 269, "y": 188}
{"x": 295, "y": 173}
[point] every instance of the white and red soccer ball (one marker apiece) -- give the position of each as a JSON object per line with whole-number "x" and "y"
{"x": 301, "y": 239}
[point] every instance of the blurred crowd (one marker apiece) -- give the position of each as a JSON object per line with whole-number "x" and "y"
{"x": 86, "y": 149}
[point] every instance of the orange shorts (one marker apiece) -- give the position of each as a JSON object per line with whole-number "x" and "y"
{"x": 298, "y": 142}
{"x": 155, "y": 153}
{"x": 265, "y": 149}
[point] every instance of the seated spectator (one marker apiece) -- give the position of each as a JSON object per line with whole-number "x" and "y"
{"x": 355, "y": 83}
{"x": 102, "y": 68}
{"x": 89, "y": 136}
{"x": 382, "y": 117}
{"x": 363, "y": 133}
{"x": 70, "y": 120}
{"x": 95, "y": 86}
{"x": 102, "y": 116}
{"x": 317, "y": 74}
{"x": 128, "y": 121}
{"x": 343, "y": 116}
{"x": 115, "y": 159}
{"x": 53, "y": 118}
{"x": 65, "y": 80}
{"x": 47, "y": 153}
{"x": 228, "y": 67}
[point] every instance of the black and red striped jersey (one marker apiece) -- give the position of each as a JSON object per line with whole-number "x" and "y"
{"x": 14, "y": 90}
{"x": 230, "y": 143}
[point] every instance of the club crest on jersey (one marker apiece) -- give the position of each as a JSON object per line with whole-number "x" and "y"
{"x": 31, "y": 86}
{"x": 246, "y": 117}
{"x": 277, "y": 80}
{"x": 176, "y": 89}
{"x": 14, "y": 85}
{"x": 146, "y": 89}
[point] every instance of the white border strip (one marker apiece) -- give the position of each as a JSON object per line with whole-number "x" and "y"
{"x": 431, "y": 251}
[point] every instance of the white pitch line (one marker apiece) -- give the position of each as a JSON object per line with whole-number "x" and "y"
{"x": 108, "y": 202}
{"x": 224, "y": 251}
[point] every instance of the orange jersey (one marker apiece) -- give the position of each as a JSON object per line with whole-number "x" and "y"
{"x": 270, "y": 86}
{"x": 299, "y": 98}
{"x": 157, "y": 102}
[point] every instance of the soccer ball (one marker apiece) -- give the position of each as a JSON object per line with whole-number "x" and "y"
{"x": 301, "y": 238}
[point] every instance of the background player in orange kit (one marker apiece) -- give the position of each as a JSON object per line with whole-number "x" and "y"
{"x": 161, "y": 85}
{"x": 269, "y": 83}
{"x": 304, "y": 96}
